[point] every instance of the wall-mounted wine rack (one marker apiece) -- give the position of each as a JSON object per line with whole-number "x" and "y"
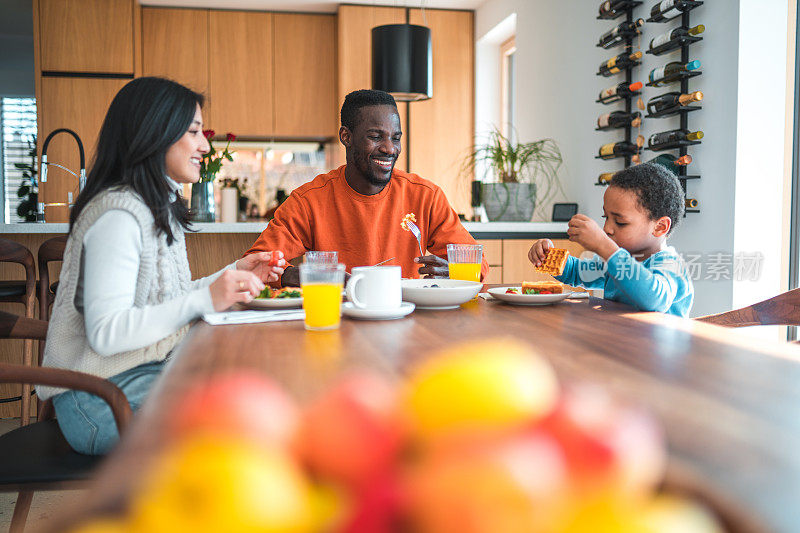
{"x": 683, "y": 43}
{"x": 625, "y": 9}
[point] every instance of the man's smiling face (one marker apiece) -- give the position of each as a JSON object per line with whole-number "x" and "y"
{"x": 375, "y": 143}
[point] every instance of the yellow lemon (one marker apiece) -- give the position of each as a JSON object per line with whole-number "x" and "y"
{"x": 217, "y": 485}
{"x": 489, "y": 385}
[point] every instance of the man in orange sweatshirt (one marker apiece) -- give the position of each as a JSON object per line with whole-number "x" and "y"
{"x": 357, "y": 208}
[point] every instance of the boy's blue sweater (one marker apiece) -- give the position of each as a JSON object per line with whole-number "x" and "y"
{"x": 659, "y": 283}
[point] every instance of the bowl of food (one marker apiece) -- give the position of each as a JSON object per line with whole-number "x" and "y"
{"x": 283, "y": 298}
{"x": 439, "y": 293}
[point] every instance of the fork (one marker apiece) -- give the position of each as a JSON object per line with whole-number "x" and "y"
{"x": 415, "y": 230}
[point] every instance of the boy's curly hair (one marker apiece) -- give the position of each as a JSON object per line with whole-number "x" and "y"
{"x": 659, "y": 191}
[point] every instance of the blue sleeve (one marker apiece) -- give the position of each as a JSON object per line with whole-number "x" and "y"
{"x": 650, "y": 288}
{"x": 587, "y": 273}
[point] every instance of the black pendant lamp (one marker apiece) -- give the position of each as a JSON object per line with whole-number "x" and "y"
{"x": 402, "y": 61}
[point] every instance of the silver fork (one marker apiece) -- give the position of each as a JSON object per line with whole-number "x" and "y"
{"x": 415, "y": 230}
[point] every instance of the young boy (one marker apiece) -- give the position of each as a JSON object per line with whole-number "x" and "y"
{"x": 642, "y": 206}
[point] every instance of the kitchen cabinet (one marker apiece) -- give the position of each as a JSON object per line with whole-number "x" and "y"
{"x": 79, "y": 104}
{"x": 241, "y": 80}
{"x": 175, "y": 46}
{"x": 87, "y": 35}
{"x": 354, "y": 52}
{"x": 443, "y": 128}
{"x": 305, "y": 75}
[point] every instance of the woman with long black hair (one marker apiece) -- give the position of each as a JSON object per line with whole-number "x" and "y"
{"x": 125, "y": 297}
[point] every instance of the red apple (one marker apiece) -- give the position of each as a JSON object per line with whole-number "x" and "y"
{"x": 352, "y": 433}
{"x": 609, "y": 446}
{"x": 238, "y": 404}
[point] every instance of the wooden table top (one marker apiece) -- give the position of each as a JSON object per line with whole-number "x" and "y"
{"x": 730, "y": 407}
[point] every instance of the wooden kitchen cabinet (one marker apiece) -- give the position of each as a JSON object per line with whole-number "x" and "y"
{"x": 305, "y": 75}
{"x": 175, "y": 46}
{"x": 87, "y": 35}
{"x": 241, "y": 71}
{"x": 443, "y": 128}
{"x": 354, "y": 52}
{"x": 79, "y": 104}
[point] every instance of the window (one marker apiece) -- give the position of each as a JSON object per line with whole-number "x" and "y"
{"x": 18, "y": 127}
{"x": 507, "y": 95}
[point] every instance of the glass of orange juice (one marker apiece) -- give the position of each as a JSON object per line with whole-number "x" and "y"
{"x": 322, "y": 294}
{"x": 465, "y": 261}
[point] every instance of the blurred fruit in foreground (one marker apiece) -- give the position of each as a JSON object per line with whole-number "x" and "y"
{"x": 609, "y": 446}
{"x": 515, "y": 484}
{"x": 353, "y": 432}
{"x": 239, "y": 404}
{"x": 669, "y": 514}
{"x": 103, "y": 525}
{"x": 480, "y": 387}
{"x": 220, "y": 485}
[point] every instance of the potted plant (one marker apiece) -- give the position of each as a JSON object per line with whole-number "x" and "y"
{"x": 202, "y": 208}
{"x": 522, "y": 177}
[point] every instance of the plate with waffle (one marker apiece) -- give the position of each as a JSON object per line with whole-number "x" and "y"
{"x": 532, "y": 293}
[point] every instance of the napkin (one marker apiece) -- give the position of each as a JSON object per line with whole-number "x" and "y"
{"x": 252, "y": 317}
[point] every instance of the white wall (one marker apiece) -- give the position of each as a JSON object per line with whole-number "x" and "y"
{"x": 557, "y": 87}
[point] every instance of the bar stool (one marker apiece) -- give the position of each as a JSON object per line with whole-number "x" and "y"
{"x": 24, "y": 292}
{"x": 50, "y": 251}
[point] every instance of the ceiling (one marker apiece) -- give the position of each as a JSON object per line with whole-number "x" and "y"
{"x": 315, "y": 6}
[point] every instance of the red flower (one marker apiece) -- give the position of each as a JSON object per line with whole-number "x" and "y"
{"x": 231, "y": 137}
{"x": 209, "y": 133}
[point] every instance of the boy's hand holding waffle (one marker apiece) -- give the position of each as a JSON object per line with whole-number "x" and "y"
{"x": 546, "y": 258}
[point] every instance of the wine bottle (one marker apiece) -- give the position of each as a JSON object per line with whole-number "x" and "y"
{"x": 619, "y": 119}
{"x": 619, "y": 33}
{"x": 604, "y": 178}
{"x": 618, "y": 149}
{"x": 669, "y": 9}
{"x": 673, "y": 136}
{"x": 618, "y": 92}
{"x": 671, "y": 72}
{"x": 670, "y": 100}
{"x": 672, "y": 163}
{"x": 610, "y": 8}
{"x": 675, "y": 35}
{"x": 691, "y": 203}
{"x": 616, "y": 64}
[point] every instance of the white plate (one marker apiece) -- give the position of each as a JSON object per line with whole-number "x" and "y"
{"x": 274, "y": 303}
{"x": 448, "y": 294}
{"x": 350, "y": 310}
{"x": 527, "y": 299}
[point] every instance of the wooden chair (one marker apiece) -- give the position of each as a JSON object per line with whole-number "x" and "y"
{"x": 50, "y": 251}
{"x": 36, "y": 456}
{"x": 782, "y": 310}
{"x": 24, "y": 292}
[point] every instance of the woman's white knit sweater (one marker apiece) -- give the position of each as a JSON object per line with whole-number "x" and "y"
{"x": 163, "y": 275}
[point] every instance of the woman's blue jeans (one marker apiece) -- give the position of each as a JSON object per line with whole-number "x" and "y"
{"x": 86, "y": 420}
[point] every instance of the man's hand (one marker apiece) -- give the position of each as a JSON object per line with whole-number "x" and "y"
{"x": 267, "y": 266}
{"x": 433, "y": 266}
{"x": 291, "y": 277}
{"x": 588, "y": 234}
{"x": 539, "y": 250}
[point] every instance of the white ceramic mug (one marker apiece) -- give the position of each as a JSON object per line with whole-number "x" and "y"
{"x": 375, "y": 287}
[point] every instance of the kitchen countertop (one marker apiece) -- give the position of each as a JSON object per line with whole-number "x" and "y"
{"x": 481, "y": 230}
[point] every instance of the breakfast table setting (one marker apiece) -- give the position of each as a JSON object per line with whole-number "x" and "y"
{"x": 728, "y": 406}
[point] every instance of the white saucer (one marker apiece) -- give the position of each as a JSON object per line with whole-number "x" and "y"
{"x": 350, "y": 310}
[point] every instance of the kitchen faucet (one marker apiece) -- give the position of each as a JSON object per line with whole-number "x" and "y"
{"x": 45, "y": 163}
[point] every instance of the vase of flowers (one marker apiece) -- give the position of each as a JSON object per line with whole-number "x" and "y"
{"x": 203, "y": 207}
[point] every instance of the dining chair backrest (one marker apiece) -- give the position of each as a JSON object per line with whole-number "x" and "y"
{"x": 50, "y": 251}
{"x": 781, "y": 310}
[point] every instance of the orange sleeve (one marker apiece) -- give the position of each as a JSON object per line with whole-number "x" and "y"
{"x": 287, "y": 232}
{"x": 446, "y": 228}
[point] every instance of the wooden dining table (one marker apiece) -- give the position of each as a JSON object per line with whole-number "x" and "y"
{"x": 729, "y": 404}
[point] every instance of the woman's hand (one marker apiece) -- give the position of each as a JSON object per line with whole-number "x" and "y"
{"x": 538, "y": 251}
{"x": 267, "y": 266}
{"x": 433, "y": 266}
{"x": 233, "y": 286}
{"x": 588, "y": 234}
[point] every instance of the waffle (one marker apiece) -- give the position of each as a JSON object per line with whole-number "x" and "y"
{"x": 554, "y": 262}
{"x": 534, "y": 287}
{"x": 404, "y": 223}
